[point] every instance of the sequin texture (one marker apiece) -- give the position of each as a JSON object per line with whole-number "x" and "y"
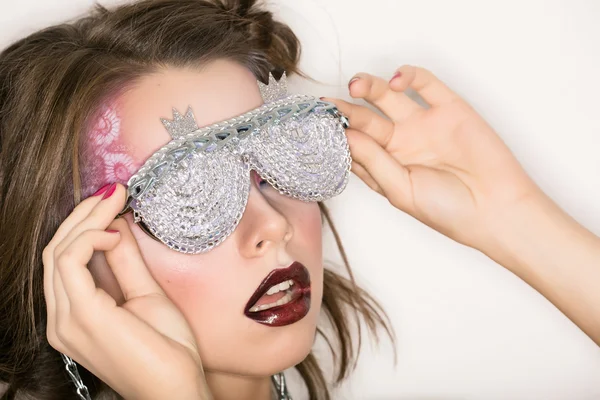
{"x": 192, "y": 193}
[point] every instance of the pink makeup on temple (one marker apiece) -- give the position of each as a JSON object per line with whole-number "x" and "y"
{"x": 106, "y": 158}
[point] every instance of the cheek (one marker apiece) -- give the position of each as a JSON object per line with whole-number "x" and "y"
{"x": 212, "y": 289}
{"x": 314, "y": 226}
{"x": 308, "y": 233}
{"x": 307, "y": 246}
{"x": 181, "y": 276}
{"x": 184, "y": 278}
{"x": 201, "y": 286}
{"x": 306, "y": 220}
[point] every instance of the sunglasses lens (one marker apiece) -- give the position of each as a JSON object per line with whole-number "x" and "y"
{"x": 197, "y": 197}
{"x": 198, "y": 203}
{"x": 307, "y": 156}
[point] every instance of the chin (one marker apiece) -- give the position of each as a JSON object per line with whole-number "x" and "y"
{"x": 289, "y": 349}
{"x": 298, "y": 350}
{"x": 280, "y": 348}
{"x": 257, "y": 350}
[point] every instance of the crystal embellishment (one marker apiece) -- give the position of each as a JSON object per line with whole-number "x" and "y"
{"x": 180, "y": 125}
{"x": 273, "y": 90}
{"x": 192, "y": 193}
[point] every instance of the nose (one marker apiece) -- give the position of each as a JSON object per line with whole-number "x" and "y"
{"x": 263, "y": 226}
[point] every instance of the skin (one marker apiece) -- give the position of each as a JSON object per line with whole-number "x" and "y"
{"x": 439, "y": 164}
{"x": 448, "y": 168}
{"x": 211, "y": 290}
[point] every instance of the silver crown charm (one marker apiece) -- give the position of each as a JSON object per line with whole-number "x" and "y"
{"x": 274, "y": 90}
{"x": 180, "y": 125}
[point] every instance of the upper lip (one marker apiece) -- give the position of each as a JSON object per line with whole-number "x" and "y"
{"x": 295, "y": 272}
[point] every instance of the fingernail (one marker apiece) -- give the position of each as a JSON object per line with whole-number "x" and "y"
{"x": 112, "y": 231}
{"x": 110, "y": 191}
{"x": 352, "y": 81}
{"x": 321, "y": 98}
{"x": 396, "y": 75}
{"x": 101, "y": 190}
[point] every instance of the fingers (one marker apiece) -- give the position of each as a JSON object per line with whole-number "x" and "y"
{"x": 392, "y": 177}
{"x": 73, "y": 243}
{"x": 48, "y": 262}
{"x": 71, "y": 264}
{"x": 396, "y": 105}
{"x": 99, "y": 217}
{"x": 73, "y": 286}
{"x": 62, "y": 304}
{"x": 77, "y": 215}
{"x": 425, "y": 83}
{"x": 52, "y": 284}
{"x": 128, "y": 266}
{"x": 363, "y": 119}
{"x": 362, "y": 173}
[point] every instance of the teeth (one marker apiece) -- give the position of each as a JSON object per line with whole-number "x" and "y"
{"x": 273, "y": 290}
{"x": 284, "y": 300}
{"x": 280, "y": 287}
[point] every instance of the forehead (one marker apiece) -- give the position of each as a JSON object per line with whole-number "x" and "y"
{"x": 219, "y": 90}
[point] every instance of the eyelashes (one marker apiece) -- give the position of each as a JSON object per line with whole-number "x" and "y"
{"x": 260, "y": 182}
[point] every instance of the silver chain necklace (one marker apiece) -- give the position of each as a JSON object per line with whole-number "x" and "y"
{"x": 71, "y": 367}
{"x": 84, "y": 394}
{"x": 281, "y": 387}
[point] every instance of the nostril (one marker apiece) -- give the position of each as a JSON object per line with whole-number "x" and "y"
{"x": 260, "y": 244}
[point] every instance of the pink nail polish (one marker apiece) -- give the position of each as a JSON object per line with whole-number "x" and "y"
{"x": 109, "y": 191}
{"x": 396, "y": 75}
{"x": 352, "y": 81}
{"x": 112, "y": 231}
{"x": 101, "y": 190}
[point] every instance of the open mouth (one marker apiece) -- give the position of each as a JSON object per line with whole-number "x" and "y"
{"x": 282, "y": 298}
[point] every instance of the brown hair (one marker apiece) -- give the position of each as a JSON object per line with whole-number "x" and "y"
{"x": 51, "y": 83}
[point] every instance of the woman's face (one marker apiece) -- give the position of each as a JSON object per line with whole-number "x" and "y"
{"x": 212, "y": 289}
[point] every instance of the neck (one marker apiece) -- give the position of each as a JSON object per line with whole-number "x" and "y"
{"x": 235, "y": 387}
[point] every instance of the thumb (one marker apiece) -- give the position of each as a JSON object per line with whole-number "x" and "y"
{"x": 392, "y": 177}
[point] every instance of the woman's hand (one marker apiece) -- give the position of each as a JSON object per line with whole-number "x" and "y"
{"x": 143, "y": 348}
{"x": 448, "y": 168}
{"x": 444, "y": 164}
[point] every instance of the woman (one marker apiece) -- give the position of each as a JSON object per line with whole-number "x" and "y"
{"x": 152, "y": 322}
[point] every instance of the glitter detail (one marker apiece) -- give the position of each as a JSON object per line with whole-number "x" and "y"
{"x": 180, "y": 125}
{"x": 304, "y": 157}
{"x": 192, "y": 192}
{"x": 273, "y": 90}
{"x": 199, "y": 203}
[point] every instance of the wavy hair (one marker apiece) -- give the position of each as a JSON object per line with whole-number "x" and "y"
{"x": 51, "y": 84}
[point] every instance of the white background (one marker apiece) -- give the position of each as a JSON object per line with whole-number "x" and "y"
{"x": 467, "y": 328}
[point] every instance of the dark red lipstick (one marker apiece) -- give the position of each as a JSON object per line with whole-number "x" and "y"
{"x": 296, "y": 297}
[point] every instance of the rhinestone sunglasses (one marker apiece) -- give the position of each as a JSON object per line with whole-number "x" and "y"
{"x": 192, "y": 192}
